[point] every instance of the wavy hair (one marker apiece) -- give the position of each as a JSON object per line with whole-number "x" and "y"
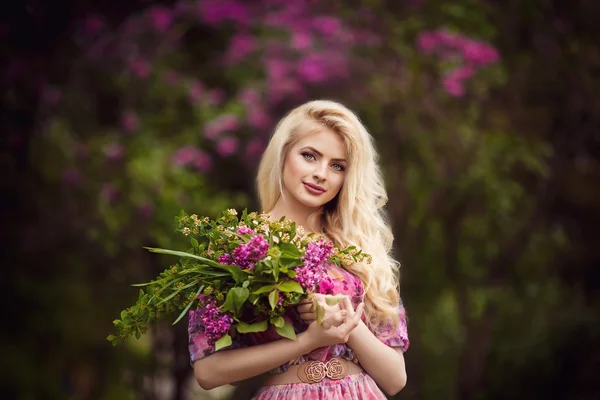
{"x": 356, "y": 215}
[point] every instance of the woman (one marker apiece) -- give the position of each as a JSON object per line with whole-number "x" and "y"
{"x": 320, "y": 171}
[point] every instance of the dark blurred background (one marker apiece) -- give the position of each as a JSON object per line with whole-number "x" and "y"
{"x": 117, "y": 115}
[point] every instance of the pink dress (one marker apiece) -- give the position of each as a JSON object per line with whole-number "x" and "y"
{"x": 358, "y": 386}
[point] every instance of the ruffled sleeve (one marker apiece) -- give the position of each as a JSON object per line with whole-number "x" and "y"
{"x": 395, "y": 338}
{"x": 200, "y": 346}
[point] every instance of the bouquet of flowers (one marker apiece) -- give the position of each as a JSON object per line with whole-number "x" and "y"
{"x": 241, "y": 273}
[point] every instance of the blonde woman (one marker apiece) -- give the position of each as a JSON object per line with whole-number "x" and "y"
{"x": 320, "y": 170}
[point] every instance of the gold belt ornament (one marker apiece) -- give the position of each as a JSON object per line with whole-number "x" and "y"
{"x": 316, "y": 371}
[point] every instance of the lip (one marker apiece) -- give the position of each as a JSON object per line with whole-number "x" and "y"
{"x": 314, "y": 189}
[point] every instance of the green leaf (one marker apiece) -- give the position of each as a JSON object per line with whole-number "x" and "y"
{"x": 278, "y": 321}
{"x": 264, "y": 289}
{"x": 246, "y": 283}
{"x": 186, "y": 309}
{"x": 275, "y": 266}
{"x": 273, "y": 298}
{"x": 290, "y": 286}
{"x": 240, "y": 295}
{"x": 111, "y": 337}
{"x": 286, "y": 331}
{"x": 289, "y": 261}
{"x": 194, "y": 243}
{"x": 243, "y": 327}
{"x": 229, "y": 304}
{"x": 291, "y": 249}
{"x": 224, "y": 341}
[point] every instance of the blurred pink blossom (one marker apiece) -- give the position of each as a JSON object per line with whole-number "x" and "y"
{"x": 216, "y": 96}
{"x": 480, "y": 53}
{"x": 161, "y": 18}
{"x": 218, "y": 11}
{"x": 146, "y": 209}
{"x": 191, "y": 155}
{"x": 258, "y": 118}
{"x": 453, "y": 86}
{"x": 113, "y": 151}
{"x": 327, "y": 25}
{"x": 202, "y": 162}
{"x": 140, "y": 68}
{"x": 130, "y": 121}
{"x": 312, "y": 68}
{"x": 240, "y": 46}
{"x": 72, "y": 177}
{"x": 254, "y": 148}
{"x": 249, "y": 97}
{"x": 195, "y": 91}
{"x": 427, "y": 42}
{"x": 222, "y": 124}
{"x": 108, "y": 192}
{"x": 301, "y": 40}
{"x": 277, "y": 69}
{"x": 227, "y": 146}
{"x": 93, "y": 25}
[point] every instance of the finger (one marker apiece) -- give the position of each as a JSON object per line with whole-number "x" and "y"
{"x": 346, "y": 304}
{"x": 335, "y": 319}
{"x": 308, "y": 316}
{"x": 306, "y": 301}
{"x": 304, "y": 308}
{"x": 360, "y": 309}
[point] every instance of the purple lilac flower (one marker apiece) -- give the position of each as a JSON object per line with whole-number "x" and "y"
{"x": 244, "y": 230}
{"x": 216, "y": 323}
{"x": 313, "y": 271}
{"x": 247, "y": 255}
{"x": 227, "y": 146}
{"x": 326, "y": 285}
{"x": 225, "y": 259}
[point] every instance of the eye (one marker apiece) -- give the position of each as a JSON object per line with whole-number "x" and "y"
{"x": 338, "y": 167}
{"x": 309, "y": 156}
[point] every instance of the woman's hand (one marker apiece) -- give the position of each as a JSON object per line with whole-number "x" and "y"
{"x": 308, "y": 313}
{"x": 327, "y": 333}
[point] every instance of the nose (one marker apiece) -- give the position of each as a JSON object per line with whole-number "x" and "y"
{"x": 320, "y": 172}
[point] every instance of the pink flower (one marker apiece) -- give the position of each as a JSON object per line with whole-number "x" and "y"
{"x": 227, "y": 146}
{"x": 249, "y": 97}
{"x": 240, "y": 47}
{"x": 146, "y": 209}
{"x": 427, "y": 42}
{"x": 480, "y": 53}
{"x": 93, "y": 24}
{"x": 72, "y": 177}
{"x": 254, "y": 148}
{"x": 215, "y": 12}
{"x": 328, "y": 26}
{"x": 140, "y": 68}
{"x": 276, "y": 69}
{"x": 108, "y": 192}
{"x": 130, "y": 121}
{"x": 453, "y": 86}
{"x": 195, "y": 91}
{"x": 113, "y": 151}
{"x": 312, "y": 69}
{"x": 301, "y": 40}
{"x": 222, "y": 124}
{"x": 202, "y": 162}
{"x": 258, "y": 118}
{"x": 216, "y": 96}
{"x": 161, "y": 18}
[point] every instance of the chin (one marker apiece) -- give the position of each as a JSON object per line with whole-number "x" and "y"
{"x": 311, "y": 202}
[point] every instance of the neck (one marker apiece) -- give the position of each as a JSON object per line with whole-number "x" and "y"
{"x": 299, "y": 214}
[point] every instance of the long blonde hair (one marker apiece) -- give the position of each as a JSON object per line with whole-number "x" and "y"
{"x": 358, "y": 217}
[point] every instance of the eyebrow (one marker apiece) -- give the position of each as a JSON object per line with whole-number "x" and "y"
{"x": 321, "y": 154}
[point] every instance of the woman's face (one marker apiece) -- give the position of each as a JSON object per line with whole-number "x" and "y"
{"x": 315, "y": 168}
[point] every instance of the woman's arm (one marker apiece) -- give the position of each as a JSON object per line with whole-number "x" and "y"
{"x": 383, "y": 363}
{"x": 228, "y": 366}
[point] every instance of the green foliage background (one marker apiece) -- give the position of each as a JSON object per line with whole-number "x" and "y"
{"x": 493, "y": 193}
